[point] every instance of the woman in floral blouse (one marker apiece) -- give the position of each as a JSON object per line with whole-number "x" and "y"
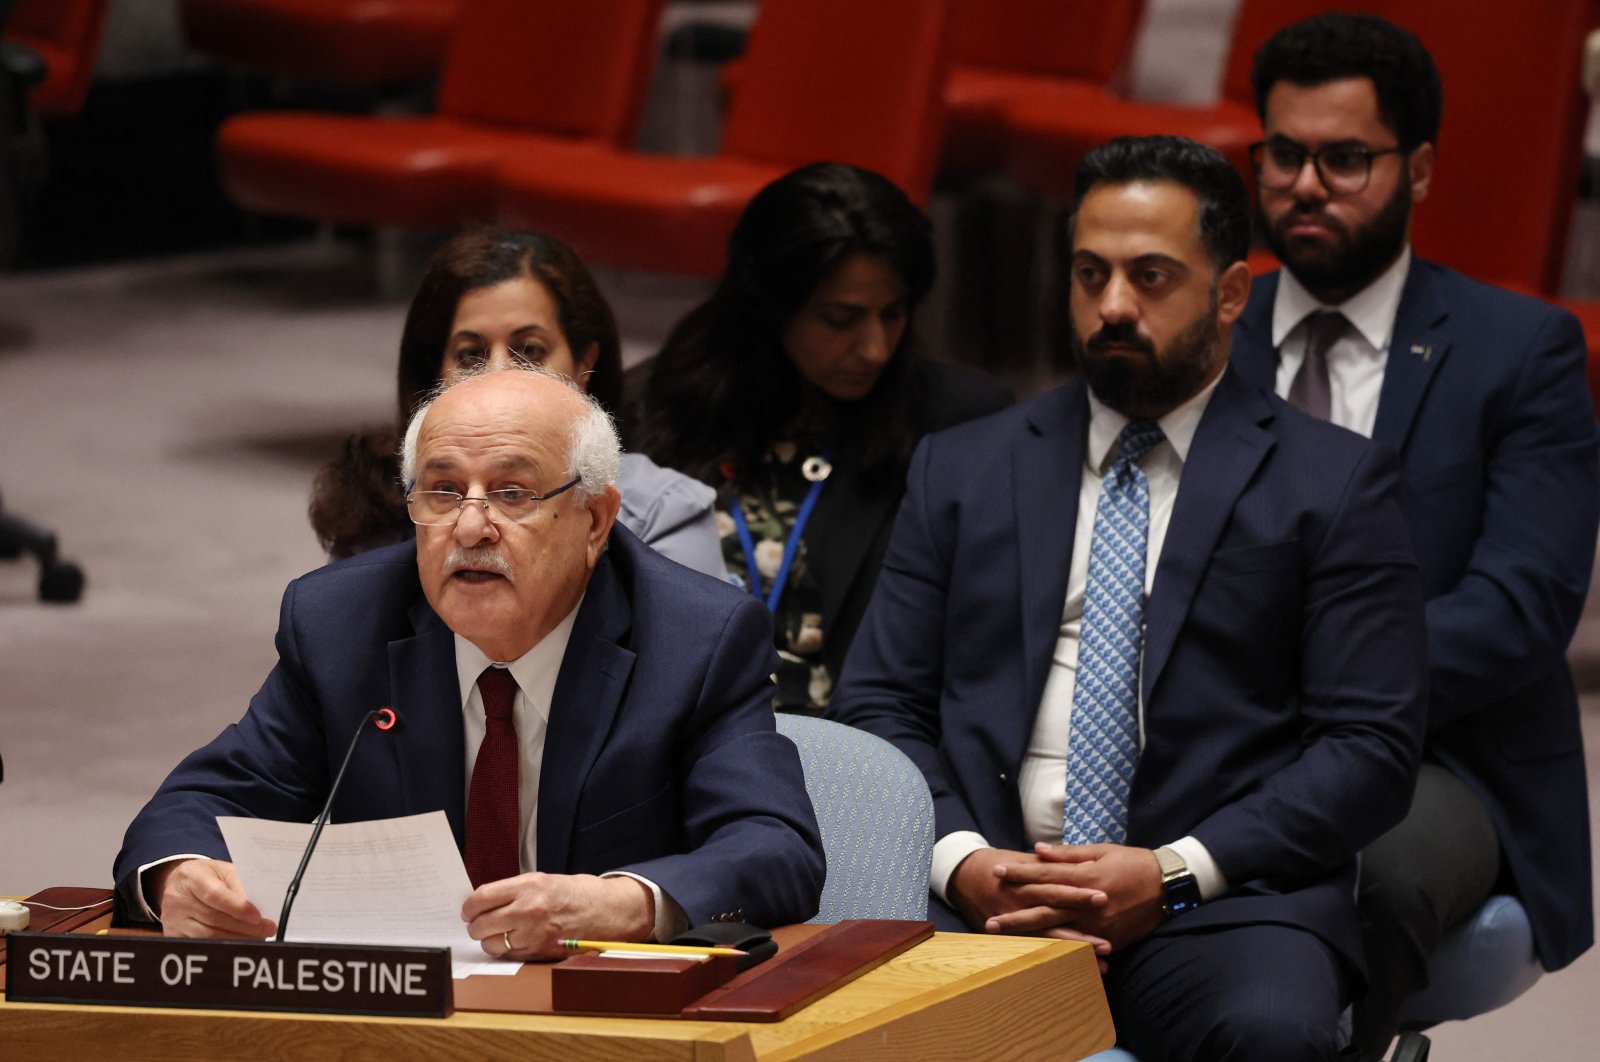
{"x": 796, "y": 392}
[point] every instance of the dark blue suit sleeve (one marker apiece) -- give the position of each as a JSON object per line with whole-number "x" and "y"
{"x": 748, "y": 827}
{"x": 1361, "y": 702}
{"x": 894, "y": 676}
{"x": 1514, "y": 610}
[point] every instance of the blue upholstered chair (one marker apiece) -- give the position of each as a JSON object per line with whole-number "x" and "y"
{"x": 876, "y": 817}
{"x": 1479, "y": 966}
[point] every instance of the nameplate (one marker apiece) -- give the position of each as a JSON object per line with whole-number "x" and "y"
{"x": 229, "y": 974}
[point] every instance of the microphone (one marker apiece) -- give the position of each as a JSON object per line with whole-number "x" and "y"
{"x": 383, "y": 719}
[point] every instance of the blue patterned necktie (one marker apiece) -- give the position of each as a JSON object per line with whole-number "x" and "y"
{"x": 1104, "y": 746}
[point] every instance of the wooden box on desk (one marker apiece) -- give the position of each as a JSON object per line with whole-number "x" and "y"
{"x": 658, "y": 985}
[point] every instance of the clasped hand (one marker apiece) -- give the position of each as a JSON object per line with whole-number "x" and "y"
{"x": 1106, "y": 895}
{"x": 525, "y": 917}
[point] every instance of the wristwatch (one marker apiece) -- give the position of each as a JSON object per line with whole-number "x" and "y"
{"x": 1179, "y": 891}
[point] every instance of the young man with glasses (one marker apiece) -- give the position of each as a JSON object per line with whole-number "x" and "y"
{"x": 594, "y": 720}
{"x": 1483, "y": 395}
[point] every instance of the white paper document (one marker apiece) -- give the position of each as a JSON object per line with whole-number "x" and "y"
{"x": 384, "y": 881}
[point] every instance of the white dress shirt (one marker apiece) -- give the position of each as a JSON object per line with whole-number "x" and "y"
{"x": 1356, "y": 362}
{"x": 1042, "y": 781}
{"x": 536, "y": 672}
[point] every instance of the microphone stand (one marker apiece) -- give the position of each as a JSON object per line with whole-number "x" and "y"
{"x": 322, "y": 819}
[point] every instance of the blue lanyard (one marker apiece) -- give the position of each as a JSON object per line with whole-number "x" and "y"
{"x": 790, "y": 549}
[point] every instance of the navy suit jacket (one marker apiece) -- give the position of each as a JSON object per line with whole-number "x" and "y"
{"x": 1282, "y": 682}
{"x": 1485, "y": 399}
{"x": 661, "y": 757}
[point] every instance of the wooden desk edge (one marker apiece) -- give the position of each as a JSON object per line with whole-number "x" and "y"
{"x": 152, "y": 1033}
{"x": 1085, "y": 974}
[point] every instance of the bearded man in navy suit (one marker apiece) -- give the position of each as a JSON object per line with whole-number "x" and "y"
{"x": 1265, "y": 636}
{"x": 1483, "y": 395}
{"x": 642, "y": 785}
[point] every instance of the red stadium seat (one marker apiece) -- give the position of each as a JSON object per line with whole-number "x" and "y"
{"x": 834, "y": 80}
{"x": 1004, "y": 50}
{"x": 1049, "y": 132}
{"x": 1511, "y": 146}
{"x": 536, "y": 73}
{"x": 352, "y": 42}
{"x": 66, "y": 35}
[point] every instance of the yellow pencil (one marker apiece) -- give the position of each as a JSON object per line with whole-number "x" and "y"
{"x": 661, "y": 949}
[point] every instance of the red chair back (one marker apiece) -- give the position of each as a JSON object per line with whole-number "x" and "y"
{"x": 1511, "y": 145}
{"x": 1085, "y": 40}
{"x": 573, "y": 67}
{"x": 66, "y": 33}
{"x": 1256, "y": 21}
{"x": 844, "y": 81}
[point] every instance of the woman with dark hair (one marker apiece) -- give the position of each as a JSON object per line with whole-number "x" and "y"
{"x": 489, "y": 297}
{"x": 797, "y": 393}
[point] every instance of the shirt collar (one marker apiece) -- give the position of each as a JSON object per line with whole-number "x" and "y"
{"x": 1106, "y": 424}
{"x": 1371, "y": 310}
{"x": 535, "y": 670}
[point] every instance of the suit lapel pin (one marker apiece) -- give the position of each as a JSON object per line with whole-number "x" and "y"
{"x": 1426, "y": 353}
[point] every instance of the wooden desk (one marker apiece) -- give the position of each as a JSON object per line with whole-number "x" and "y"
{"x": 956, "y": 996}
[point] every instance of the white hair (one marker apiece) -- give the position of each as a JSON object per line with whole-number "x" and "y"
{"x": 593, "y": 450}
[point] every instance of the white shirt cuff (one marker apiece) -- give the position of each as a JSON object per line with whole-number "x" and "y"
{"x": 1207, "y": 875}
{"x": 670, "y": 919}
{"x": 144, "y": 900}
{"x": 948, "y": 852}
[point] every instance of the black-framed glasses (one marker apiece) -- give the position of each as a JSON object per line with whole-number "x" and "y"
{"x": 436, "y": 508}
{"x": 1343, "y": 169}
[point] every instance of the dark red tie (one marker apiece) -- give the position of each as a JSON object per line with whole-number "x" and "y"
{"x": 494, "y": 843}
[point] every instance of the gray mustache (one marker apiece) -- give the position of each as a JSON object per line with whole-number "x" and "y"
{"x": 479, "y": 557}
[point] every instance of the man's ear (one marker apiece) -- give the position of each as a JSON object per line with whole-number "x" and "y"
{"x": 1419, "y": 171}
{"x": 602, "y": 514}
{"x": 1233, "y": 291}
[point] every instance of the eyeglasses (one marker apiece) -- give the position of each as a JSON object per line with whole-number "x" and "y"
{"x": 1343, "y": 169}
{"x": 436, "y": 508}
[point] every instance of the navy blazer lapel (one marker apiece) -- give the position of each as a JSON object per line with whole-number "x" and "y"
{"x": 594, "y": 675}
{"x": 1047, "y": 471}
{"x": 431, "y": 744}
{"x": 1228, "y": 446}
{"x": 1416, "y": 349}
{"x": 1252, "y": 354}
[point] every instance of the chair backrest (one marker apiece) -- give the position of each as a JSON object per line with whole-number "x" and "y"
{"x": 1081, "y": 39}
{"x": 559, "y": 66}
{"x": 66, "y": 33}
{"x": 876, "y": 817}
{"x": 1480, "y": 965}
{"x": 345, "y": 42}
{"x": 1511, "y": 146}
{"x": 844, "y": 81}
{"x": 1254, "y": 22}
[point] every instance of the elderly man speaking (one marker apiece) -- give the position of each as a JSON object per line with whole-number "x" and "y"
{"x": 593, "y": 718}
